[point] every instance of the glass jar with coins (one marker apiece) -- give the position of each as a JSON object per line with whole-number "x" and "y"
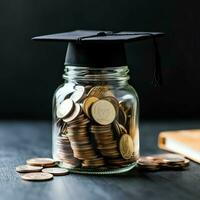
{"x": 96, "y": 120}
{"x": 95, "y": 110}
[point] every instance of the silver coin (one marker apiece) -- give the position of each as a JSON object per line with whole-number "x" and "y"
{"x": 56, "y": 171}
{"x": 65, "y": 108}
{"x": 75, "y": 114}
{"x": 63, "y": 92}
{"x": 78, "y": 94}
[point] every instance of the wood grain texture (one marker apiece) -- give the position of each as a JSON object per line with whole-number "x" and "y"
{"x": 22, "y": 140}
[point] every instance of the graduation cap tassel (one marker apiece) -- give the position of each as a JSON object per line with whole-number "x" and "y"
{"x": 157, "y": 77}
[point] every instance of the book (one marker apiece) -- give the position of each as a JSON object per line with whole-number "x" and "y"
{"x": 185, "y": 142}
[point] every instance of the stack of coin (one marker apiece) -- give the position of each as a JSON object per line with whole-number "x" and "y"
{"x": 96, "y": 162}
{"x": 80, "y": 142}
{"x": 120, "y": 161}
{"x": 163, "y": 161}
{"x": 78, "y": 137}
{"x": 106, "y": 143}
{"x": 122, "y": 116}
{"x": 65, "y": 152}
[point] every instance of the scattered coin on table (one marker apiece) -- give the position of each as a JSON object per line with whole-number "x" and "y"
{"x": 48, "y": 162}
{"x": 56, "y": 171}
{"x": 28, "y": 168}
{"x": 163, "y": 161}
{"x": 90, "y": 160}
{"x": 37, "y": 176}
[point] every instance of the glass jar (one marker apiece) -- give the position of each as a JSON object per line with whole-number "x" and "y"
{"x": 95, "y": 121}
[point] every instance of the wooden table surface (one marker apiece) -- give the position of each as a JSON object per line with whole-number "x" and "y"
{"x": 20, "y": 140}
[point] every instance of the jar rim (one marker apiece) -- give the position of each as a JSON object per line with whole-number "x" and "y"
{"x": 119, "y": 73}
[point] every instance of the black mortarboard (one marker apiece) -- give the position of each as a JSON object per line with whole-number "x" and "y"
{"x": 102, "y": 48}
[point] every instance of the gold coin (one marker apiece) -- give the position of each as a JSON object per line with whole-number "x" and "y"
{"x": 28, "y": 168}
{"x": 51, "y": 165}
{"x": 168, "y": 158}
{"x": 96, "y": 160}
{"x": 148, "y": 164}
{"x": 65, "y": 108}
{"x": 56, "y": 171}
{"x": 98, "y": 91}
{"x": 108, "y": 93}
{"x": 114, "y": 101}
{"x": 126, "y": 146}
{"x": 92, "y": 165}
{"x": 78, "y": 123}
{"x": 127, "y": 106}
{"x": 132, "y": 128}
{"x": 40, "y": 161}
{"x": 121, "y": 161}
{"x": 78, "y": 94}
{"x": 77, "y": 111}
{"x": 87, "y": 104}
{"x": 37, "y": 176}
{"x": 123, "y": 129}
{"x": 122, "y": 116}
{"x": 117, "y": 127}
{"x": 103, "y": 112}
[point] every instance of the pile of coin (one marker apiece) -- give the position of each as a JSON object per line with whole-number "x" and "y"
{"x": 106, "y": 144}
{"x": 95, "y": 128}
{"x": 65, "y": 152}
{"x": 80, "y": 142}
{"x": 40, "y": 169}
{"x": 163, "y": 161}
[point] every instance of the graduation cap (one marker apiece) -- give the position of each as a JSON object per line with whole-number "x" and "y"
{"x": 102, "y": 48}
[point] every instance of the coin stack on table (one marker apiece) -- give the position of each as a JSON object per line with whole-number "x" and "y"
{"x": 162, "y": 161}
{"x": 95, "y": 129}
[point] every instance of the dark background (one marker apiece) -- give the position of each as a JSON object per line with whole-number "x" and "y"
{"x": 31, "y": 71}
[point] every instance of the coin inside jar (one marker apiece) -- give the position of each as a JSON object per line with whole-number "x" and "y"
{"x": 78, "y": 94}
{"x": 103, "y": 112}
{"x": 122, "y": 116}
{"x": 87, "y": 104}
{"x": 126, "y": 146}
{"x": 65, "y": 108}
{"x": 75, "y": 114}
{"x": 123, "y": 129}
{"x": 64, "y": 92}
{"x": 114, "y": 101}
{"x": 97, "y": 91}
